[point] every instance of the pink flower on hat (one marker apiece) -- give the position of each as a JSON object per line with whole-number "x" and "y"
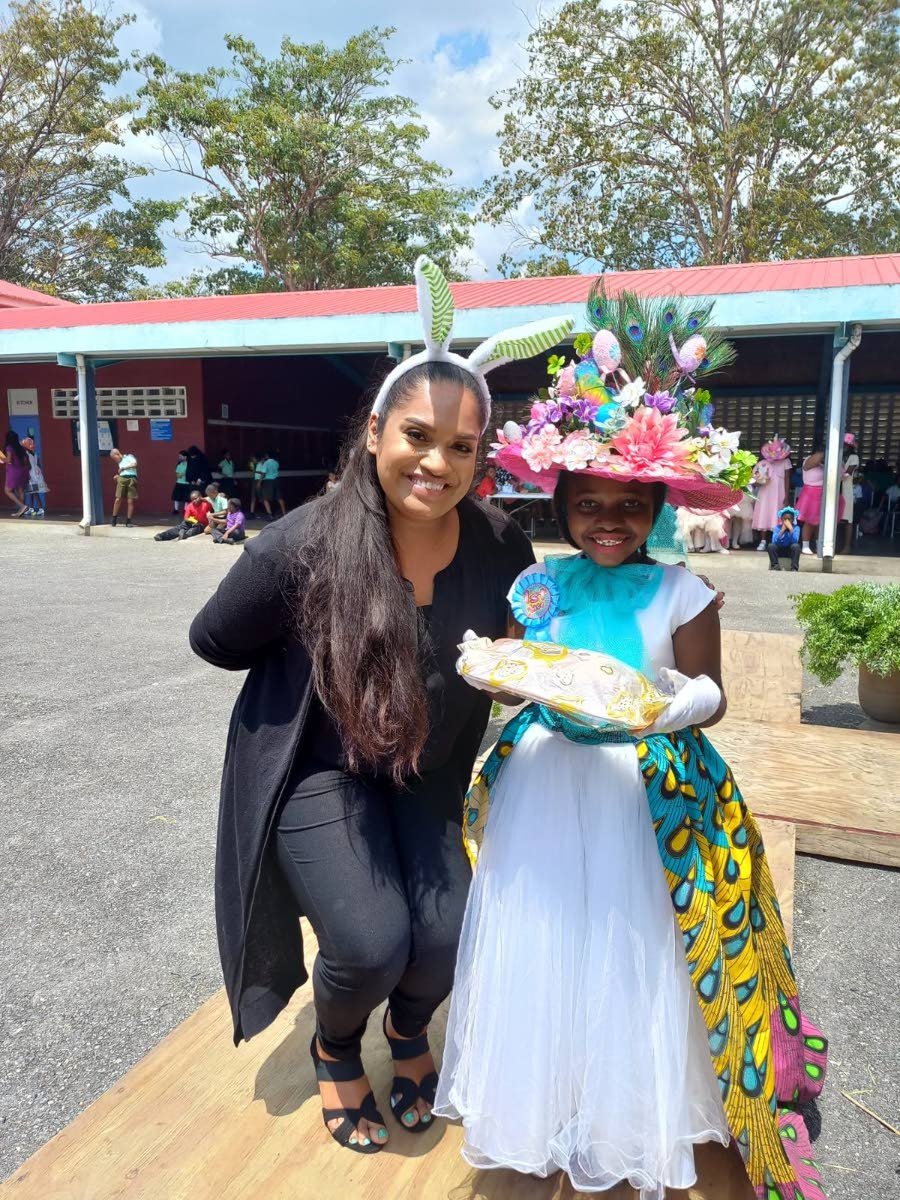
{"x": 652, "y": 443}
{"x": 578, "y": 450}
{"x": 540, "y": 450}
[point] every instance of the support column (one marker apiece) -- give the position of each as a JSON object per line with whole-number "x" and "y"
{"x": 91, "y": 485}
{"x": 834, "y": 445}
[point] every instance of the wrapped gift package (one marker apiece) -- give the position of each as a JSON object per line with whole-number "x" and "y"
{"x": 589, "y": 687}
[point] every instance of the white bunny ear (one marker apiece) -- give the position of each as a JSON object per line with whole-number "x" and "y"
{"x": 435, "y": 302}
{"x": 526, "y": 341}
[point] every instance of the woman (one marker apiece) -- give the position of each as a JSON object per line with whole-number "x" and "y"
{"x": 809, "y": 502}
{"x": 17, "y": 471}
{"x": 850, "y": 467}
{"x": 199, "y": 474}
{"x": 352, "y": 743}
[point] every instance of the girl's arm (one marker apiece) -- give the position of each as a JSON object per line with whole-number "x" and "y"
{"x": 698, "y": 651}
{"x": 814, "y": 460}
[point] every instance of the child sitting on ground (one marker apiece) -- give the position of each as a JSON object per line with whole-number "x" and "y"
{"x": 234, "y": 530}
{"x": 196, "y": 518}
{"x": 219, "y": 502}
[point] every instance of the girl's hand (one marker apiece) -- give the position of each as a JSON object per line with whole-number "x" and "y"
{"x": 695, "y": 702}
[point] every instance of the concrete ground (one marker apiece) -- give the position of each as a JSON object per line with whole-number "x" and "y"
{"x": 111, "y": 738}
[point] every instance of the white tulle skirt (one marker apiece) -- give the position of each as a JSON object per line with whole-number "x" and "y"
{"x": 574, "y": 1040}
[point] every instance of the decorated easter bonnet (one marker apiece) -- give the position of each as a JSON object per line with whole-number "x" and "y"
{"x": 776, "y": 449}
{"x": 630, "y": 408}
{"x": 435, "y": 301}
{"x": 791, "y": 512}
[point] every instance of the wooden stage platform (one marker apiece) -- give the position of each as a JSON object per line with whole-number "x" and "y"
{"x": 199, "y": 1120}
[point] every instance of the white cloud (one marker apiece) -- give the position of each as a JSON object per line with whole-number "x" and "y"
{"x": 459, "y": 56}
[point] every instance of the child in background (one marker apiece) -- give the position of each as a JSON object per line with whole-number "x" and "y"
{"x": 234, "y": 530}
{"x": 219, "y": 504}
{"x": 126, "y": 481}
{"x": 181, "y": 492}
{"x": 488, "y": 485}
{"x": 785, "y": 539}
{"x": 270, "y": 489}
{"x": 226, "y": 470}
{"x": 35, "y": 504}
{"x": 258, "y": 470}
{"x": 196, "y": 518}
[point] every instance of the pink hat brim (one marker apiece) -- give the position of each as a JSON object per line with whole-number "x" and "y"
{"x": 691, "y": 491}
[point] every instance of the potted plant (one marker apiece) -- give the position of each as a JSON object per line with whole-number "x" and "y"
{"x": 860, "y": 624}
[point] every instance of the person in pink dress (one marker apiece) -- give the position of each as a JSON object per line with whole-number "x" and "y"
{"x": 809, "y": 504}
{"x": 771, "y": 487}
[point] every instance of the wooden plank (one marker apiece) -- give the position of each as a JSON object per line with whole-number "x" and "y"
{"x": 763, "y": 676}
{"x": 837, "y": 786}
{"x": 199, "y": 1120}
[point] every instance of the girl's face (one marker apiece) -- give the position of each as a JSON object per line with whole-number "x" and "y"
{"x": 425, "y": 454}
{"x": 609, "y": 520}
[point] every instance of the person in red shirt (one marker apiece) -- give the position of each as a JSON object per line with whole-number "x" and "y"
{"x": 196, "y": 518}
{"x": 488, "y": 485}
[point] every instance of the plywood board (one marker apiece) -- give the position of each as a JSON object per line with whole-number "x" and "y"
{"x": 839, "y": 787}
{"x": 780, "y": 839}
{"x": 198, "y": 1119}
{"x": 762, "y": 675}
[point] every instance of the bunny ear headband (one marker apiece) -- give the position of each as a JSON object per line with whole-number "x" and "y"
{"x": 436, "y": 310}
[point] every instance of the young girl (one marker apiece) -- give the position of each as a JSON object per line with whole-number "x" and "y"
{"x": 624, "y": 989}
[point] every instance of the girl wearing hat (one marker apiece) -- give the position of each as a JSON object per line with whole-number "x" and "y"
{"x": 353, "y": 740}
{"x": 624, "y": 989}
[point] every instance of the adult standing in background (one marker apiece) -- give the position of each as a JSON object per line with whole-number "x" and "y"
{"x": 352, "y": 742}
{"x": 199, "y": 475}
{"x": 851, "y": 466}
{"x": 17, "y": 471}
{"x": 126, "y": 480}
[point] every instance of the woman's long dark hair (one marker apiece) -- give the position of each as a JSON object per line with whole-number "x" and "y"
{"x": 561, "y": 510}
{"x": 12, "y": 443}
{"x": 355, "y": 613}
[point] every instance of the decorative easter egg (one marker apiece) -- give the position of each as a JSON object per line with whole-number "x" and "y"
{"x": 565, "y": 380}
{"x": 606, "y": 351}
{"x": 690, "y": 356}
{"x": 588, "y": 381}
{"x": 512, "y": 432}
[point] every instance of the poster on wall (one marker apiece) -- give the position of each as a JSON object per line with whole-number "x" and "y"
{"x": 107, "y": 433}
{"x": 160, "y": 431}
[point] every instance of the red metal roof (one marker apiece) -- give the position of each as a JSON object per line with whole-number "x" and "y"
{"x": 12, "y": 295}
{"x": 798, "y": 275}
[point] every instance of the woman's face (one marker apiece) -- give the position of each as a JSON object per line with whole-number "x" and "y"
{"x": 425, "y": 454}
{"x": 608, "y": 519}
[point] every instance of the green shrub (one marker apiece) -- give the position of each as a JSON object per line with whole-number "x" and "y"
{"x": 858, "y": 624}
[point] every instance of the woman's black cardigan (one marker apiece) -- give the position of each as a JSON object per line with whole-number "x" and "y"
{"x": 247, "y": 625}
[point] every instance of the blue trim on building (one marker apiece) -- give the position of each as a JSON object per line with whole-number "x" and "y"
{"x": 805, "y": 312}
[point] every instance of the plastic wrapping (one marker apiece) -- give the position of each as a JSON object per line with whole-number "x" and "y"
{"x": 587, "y": 686}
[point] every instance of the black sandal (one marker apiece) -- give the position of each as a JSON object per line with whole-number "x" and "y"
{"x": 405, "y": 1092}
{"x": 344, "y": 1072}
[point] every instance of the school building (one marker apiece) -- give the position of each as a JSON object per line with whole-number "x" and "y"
{"x": 818, "y": 346}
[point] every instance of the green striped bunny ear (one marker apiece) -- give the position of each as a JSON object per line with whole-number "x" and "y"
{"x": 435, "y": 302}
{"x": 526, "y": 341}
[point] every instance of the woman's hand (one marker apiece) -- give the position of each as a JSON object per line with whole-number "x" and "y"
{"x": 720, "y": 596}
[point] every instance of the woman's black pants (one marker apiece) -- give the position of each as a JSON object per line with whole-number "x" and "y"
{"x": 382, "y": 877}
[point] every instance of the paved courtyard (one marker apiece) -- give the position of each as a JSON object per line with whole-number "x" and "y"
{"x": 111, "y": 739}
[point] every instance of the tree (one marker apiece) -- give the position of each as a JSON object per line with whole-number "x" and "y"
{"x": 671, "y": 132}
{"x": 312, "y": 172}
{"x": 67, "y": 221}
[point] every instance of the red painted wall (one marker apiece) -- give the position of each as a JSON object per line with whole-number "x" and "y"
{"x": 156, "y": 460}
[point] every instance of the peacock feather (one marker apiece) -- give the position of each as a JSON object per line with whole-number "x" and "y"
{"x": 644, "y": 328}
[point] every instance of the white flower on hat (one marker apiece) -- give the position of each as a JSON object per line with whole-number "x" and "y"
{"x": 632, "y": 393}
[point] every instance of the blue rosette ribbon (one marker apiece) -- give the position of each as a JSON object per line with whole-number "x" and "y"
{"x": 535, "y": 601}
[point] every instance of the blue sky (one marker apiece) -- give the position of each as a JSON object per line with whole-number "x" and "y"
{"x": 459, "y": 54}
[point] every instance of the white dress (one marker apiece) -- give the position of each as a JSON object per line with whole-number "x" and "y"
{"x": 575, "y": 1041}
